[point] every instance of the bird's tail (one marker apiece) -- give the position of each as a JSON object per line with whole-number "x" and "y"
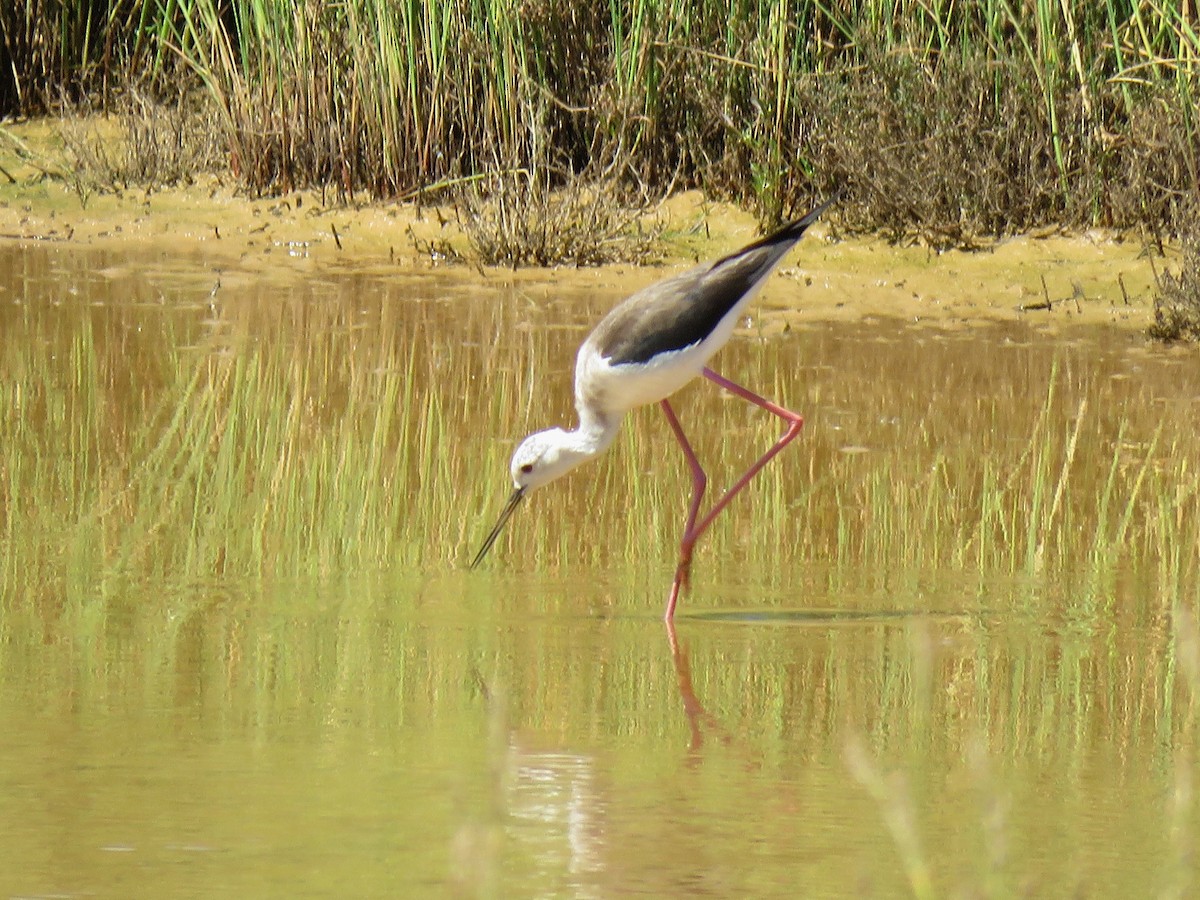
{"x": 783, "y": 237}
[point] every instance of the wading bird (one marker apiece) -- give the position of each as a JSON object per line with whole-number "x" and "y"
{"x": 642, "y": 352}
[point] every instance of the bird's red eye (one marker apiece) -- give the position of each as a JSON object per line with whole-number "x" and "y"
{"x": 527, "y": 468}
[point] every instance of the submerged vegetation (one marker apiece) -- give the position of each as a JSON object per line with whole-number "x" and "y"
{"x": 947, "y": 121}
{"x": 304, "y": 437}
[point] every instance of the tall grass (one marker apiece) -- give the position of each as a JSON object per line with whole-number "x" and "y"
{"x": 50, "y": 49}
{"x": 371, "y": 96}
{"x": 945, "y": 118}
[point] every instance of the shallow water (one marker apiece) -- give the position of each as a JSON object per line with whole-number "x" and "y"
{"x": 948, "y": 646}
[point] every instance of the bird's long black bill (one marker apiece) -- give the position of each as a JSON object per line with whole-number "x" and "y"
{"x": 508, "y": 510}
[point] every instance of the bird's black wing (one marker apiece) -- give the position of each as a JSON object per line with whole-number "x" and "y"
{"x": 682, "y": 311}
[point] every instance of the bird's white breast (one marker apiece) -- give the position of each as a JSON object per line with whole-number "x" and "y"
{"x": 602, "y": 386}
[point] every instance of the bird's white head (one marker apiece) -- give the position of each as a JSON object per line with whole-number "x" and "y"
{"x": 541, "y": 458}
{"x": 545, "y": 456}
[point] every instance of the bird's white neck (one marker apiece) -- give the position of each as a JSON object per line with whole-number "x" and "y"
{"x": 595, "y": 432}
{"x": 550, "y": 454}
{"x": 589, "y": 440}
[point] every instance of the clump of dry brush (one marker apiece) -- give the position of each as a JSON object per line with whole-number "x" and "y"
{"x": 1177, "y": 305}
{"x": 520, "y": 218}
{"x": 151, "y": 142}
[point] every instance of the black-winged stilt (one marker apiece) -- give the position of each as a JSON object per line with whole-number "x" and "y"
{"x": 642, "y": 352}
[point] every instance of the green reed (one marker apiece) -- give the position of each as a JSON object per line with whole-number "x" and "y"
{"x": 767, "y": 101}
{"x": 367, "y": 95}
{"x": 53, "y": 49}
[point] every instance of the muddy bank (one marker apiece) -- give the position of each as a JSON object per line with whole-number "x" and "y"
{"x": 1053, "y": 280}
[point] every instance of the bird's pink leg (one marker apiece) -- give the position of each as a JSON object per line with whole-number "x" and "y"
{"x": 695, "y": 529}
{"x": 793, "y": 430}
{"x": 699, "y": 483}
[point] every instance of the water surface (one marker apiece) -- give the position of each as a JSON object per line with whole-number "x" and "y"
{"x": 947, "y": 646}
